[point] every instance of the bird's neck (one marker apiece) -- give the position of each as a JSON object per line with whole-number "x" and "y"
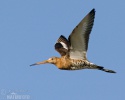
{"x": 62, "y": 62}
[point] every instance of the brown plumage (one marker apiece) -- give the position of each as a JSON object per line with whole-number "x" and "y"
{"x": 73, "y": 51}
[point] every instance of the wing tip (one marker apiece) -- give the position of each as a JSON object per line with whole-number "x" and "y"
{"x": 93, "y": 10}
{"x": 61, "y": 38}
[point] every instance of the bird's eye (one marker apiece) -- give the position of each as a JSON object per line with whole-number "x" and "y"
{"x": 51, "y": 58}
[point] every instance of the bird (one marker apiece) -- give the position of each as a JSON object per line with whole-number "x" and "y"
{"x": 73, "y": 51}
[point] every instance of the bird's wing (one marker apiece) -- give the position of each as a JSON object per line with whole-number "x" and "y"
{"x": 80, "y": 36}
{"x": 62, "y": 45}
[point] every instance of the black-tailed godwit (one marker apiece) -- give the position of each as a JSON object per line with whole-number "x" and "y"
{"x": 73, "y": 50}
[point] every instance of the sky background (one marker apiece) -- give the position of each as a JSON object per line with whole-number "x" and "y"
{"x": 28, "y": 32}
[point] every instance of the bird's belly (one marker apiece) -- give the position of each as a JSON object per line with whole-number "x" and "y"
{"x": 78, "y": 67}
{"x": 81, "y": 65}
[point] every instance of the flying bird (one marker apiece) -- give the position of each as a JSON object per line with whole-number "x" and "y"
{"x": 73, "y": 50}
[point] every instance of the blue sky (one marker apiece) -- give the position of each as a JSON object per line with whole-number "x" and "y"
{"x": 28, "y": 32}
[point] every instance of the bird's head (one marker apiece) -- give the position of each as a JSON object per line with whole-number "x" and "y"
{"x": 51, "y": 60}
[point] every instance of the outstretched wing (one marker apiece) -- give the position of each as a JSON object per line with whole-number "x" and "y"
{"x": 62, "y": 45}
{"x": 80, "y": 36}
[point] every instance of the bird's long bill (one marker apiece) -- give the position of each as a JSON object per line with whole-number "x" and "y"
{"x": 38, "y": 63}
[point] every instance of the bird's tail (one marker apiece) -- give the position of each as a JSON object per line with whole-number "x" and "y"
{"x": 106, "y": 70}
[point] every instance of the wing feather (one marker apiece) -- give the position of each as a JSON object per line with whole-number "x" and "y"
{"x": 79, "y": 37}
{"x": 62, "y": 45}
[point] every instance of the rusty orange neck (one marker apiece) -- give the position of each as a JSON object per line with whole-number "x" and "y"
{"x": 63, "y": 62}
